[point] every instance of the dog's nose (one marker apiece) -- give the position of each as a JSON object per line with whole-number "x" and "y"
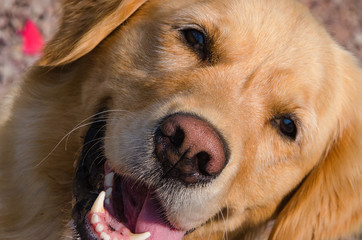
{"x": 189, "y": 148}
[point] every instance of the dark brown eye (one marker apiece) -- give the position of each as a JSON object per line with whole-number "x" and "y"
{"x": 196, "y": 40}
{"x": 286, "y": 126}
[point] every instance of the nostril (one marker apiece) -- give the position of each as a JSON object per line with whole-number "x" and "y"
{"x": 178, "y": 137}
{"x": 189, "y": 148}
{"x": 203, "y": 158}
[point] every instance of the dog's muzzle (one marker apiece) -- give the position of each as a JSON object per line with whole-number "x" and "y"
{"x": 108, "y": 205}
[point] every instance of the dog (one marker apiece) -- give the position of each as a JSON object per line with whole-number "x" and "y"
{"x": 170, "y": 120}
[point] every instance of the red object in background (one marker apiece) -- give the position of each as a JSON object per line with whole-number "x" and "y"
{"x": 33, "y": 41}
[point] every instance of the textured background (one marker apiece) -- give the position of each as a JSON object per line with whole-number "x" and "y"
{"x": 343, "y": 19}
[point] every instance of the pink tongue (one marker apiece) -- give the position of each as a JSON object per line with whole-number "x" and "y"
{"x": 149, "y": 220}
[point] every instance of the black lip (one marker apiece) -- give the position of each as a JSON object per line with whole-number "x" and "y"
{"x": 89, "y": 175}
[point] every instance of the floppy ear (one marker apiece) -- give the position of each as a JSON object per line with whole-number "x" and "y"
{"x": 84, "y": 25}
{"x": 328, "y": 204}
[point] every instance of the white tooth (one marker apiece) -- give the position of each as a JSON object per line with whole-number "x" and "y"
{"x": 140, "y": 236}
{"x": 108, "y": 179}
{"x": 99, "y": 228}
{"x": 109, "y": 192}
{"x": 107, "y": 202}
{"x": 99, "y": 203}
{"x": 95, "y": 219}
{"x": 105, "y": 236}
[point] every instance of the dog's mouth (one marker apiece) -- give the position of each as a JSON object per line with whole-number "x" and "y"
{"x": 109, "y": 206}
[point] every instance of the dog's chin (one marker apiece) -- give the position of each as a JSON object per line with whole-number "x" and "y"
{"x": 110, "y": 206}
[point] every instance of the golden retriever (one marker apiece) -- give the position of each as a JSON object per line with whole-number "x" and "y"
{"x": 170, "y": 120}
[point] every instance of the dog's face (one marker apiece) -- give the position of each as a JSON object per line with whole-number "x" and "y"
{"x": 208, "y": 117}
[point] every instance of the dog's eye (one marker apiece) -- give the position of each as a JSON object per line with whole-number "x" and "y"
{"x": 286, "y": 126}
{"x": 196, "y": 40}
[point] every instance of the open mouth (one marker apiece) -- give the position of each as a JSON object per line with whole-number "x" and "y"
{"x": 108, "y": 206}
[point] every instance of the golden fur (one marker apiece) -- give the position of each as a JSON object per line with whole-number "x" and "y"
{"x": 269, "y": 57}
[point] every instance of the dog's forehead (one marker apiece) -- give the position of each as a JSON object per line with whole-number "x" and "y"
{"x": 252, "y": 30}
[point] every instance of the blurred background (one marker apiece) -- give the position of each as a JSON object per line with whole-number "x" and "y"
{"x": 26, "y": 24}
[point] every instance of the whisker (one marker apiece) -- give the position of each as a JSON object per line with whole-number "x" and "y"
{"x": 77, "y": 127}
{"x": 80, "y": 125}
{"x": 94, "y": 142}
{"x": 211, "y": 228}
{"x": 61, "y": 140}
{"x": 225, "y": 234}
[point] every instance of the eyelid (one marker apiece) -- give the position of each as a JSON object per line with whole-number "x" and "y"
{"x": 292, "y": 116}
{"x": 192, "y": 26}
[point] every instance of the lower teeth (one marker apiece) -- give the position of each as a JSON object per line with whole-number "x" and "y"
{"x": 97, "y": 218}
